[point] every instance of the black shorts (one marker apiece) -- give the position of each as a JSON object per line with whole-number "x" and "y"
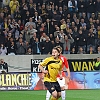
{"x": 52, "y": 86}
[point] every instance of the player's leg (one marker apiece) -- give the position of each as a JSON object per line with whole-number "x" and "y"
{"x": 48, "y": 94}
{"x": 62, "y": 85}
{"x": 51, "y": 88}
{"x": 54, "y": 95}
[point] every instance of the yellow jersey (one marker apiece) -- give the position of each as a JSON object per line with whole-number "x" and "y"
{"x": 53, "y": 66}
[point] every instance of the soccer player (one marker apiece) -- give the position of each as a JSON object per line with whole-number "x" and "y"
{"x": 53, "y": 68}
{"x": 65, "y": 78}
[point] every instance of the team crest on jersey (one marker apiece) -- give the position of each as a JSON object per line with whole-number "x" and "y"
{"x": 52, "y": 88}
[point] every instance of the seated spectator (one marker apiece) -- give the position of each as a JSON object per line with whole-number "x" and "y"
{"x": 98, "y": 50}
{"x": 3, "y": 66}
{"x": 73, "y": 51}
{"x": 91, "y": 50}
{"x": 29, "y": 51}
{"x": 81, "y": 51}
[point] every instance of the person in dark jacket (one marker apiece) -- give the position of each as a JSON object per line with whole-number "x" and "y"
{"x": 3, "y": 66}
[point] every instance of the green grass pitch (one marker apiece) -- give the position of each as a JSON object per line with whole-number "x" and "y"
{"x": 40, "y": 95}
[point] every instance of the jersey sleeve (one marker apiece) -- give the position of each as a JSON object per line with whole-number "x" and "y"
{"x": 44, "y": 63}
{"x": 66, "y": 63}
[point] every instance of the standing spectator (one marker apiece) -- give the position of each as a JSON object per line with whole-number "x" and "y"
{"x": 31, "y": 30}
{"x": 26, "y": 34}
{"x": 12, "y": 49}
{"x": 82, "y": 22}
{"x": 67, "y": 44}
{"x": 43, "y": 13}
{"x": 6, "y": 3}
{"x": 58, "y": 43}
{"x": 90, "y": 7}
{"x": 81, "y": 7}
{"x": 31, "y": 23}
{"x": 6, "y": 12}
{"x": 49, "y": 27}
{"x": 21, "y": 47}
{"x": 3, "y": 49}
{"x": 91, "y": 39}
{"x": 98, "y": 6}
{"x": 13, "y": 5}
{"x": 47, "y": 46}
{"x": 17, "y": 14}
{"x": 81, "y": 40}
{"x": 36, "y": 49}
{"x": 72, "y": 5}
{"x": 31, "y": 8}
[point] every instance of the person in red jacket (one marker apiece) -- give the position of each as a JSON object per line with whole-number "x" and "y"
{"x": 65, "y": 78}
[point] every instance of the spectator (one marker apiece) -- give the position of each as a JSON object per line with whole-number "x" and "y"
{"x": 81, "y": 51}
{"x": 81, "y": 40}
{"x": 3, "y": 49}
{"x": 68, "y": 40}
{"x": 36, "y": 47}
{"x": 72, "y": 5}
{"x": 6, "y": 3}
{"x": 91, "y": 50}
{"x": 21, "y": 47}
{"x": 81, "y": 7}
{"x": 98, "y": 50}
{"x": 29, "y": 51}
{"x": 13, "y": 5}
{"x": 31, "y": 23}
{"x": 3, "y": 66}
{"x": 90, "y": 7}
{"x": 91, "y": 39}
{"x": 73, "y": 51}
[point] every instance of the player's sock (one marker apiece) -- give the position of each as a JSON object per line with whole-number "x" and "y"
{"x": 48, "y": 94}
{"x": 63, "y": 94}
{"x": 52, "y": 98}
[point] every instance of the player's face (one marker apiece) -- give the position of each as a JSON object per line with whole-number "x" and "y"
{"x": 55, "y": 53}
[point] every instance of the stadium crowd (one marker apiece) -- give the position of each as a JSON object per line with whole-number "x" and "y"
{"x": 35, "y": 26}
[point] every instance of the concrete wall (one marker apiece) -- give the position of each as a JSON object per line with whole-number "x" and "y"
{"x": 22, "y": 63}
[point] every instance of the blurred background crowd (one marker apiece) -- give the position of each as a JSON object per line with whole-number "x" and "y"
{"x": 35, "y": 26}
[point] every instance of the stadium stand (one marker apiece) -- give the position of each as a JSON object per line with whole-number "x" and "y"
{"x": 36, "y": 26}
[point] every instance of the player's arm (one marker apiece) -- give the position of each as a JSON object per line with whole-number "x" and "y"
{"x": 67, "y": 67}
{"x": 60, "y": 72}
{"x": 43, "y": 64}
{"x": 42, "y": 69}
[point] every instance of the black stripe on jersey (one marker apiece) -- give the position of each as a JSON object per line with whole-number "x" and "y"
{"x": 50, "y": 62}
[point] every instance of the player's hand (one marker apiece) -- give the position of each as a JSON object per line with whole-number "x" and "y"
{"x": 45, "y": 72}
{"x": 67, "y": 79}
